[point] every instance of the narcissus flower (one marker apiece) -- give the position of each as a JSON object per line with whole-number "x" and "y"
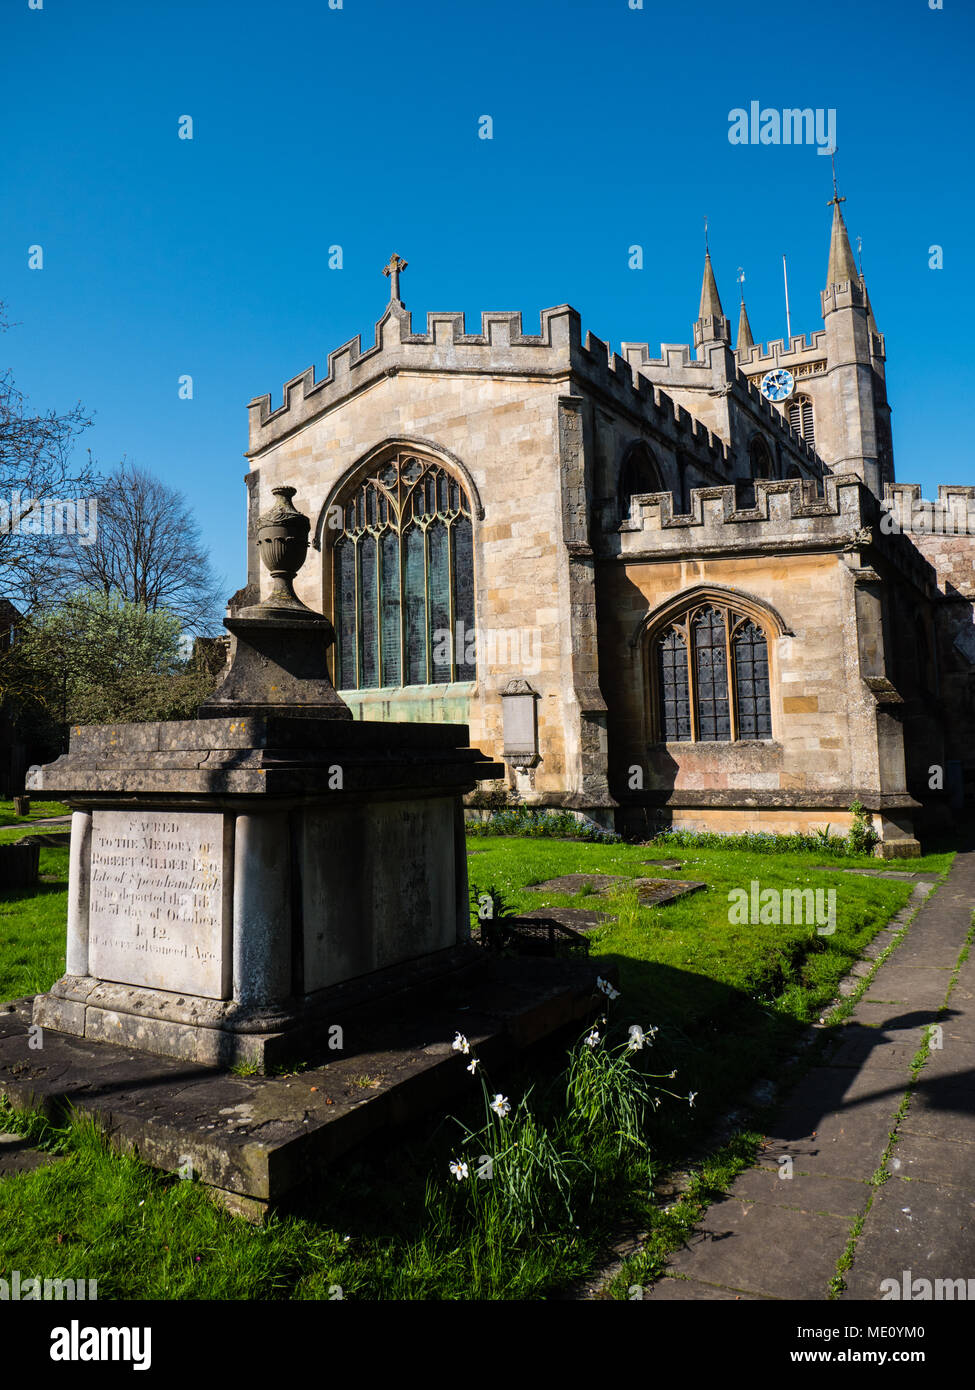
{"x": 607, "y": 988}
{"x": 459, "y": 1169}
{"x": 474, "y": 1064}
{"x": 501, "y": 1104}
{"x": 690, "y": 1098}
{"x": 637, "y": 1037}
{"x": 460, "y": 1044}
{"x": 592, "y": 1039}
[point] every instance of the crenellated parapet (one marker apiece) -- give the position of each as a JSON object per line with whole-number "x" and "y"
{"x": 682, "y": 371}
{"x": 557, "y": 352}
{"x": 952, "y": 513}
{"x": 788, "y": 517}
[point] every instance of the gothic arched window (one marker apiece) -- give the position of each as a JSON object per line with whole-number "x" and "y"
{"x": 711, "y": 678}
{"x": 801, "y": 418}
{"x": 403, "y": 578}
{"x": 760, "y": 458}
{"x": 639, "y": 474}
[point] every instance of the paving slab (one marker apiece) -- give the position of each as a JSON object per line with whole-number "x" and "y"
{"x": 853, "y": 1045}
{"x": 803, "y": 1192}
{"x": 942, "y": 1108}
{"x": 916, "y": 1227}
{"x": 946, "y": 1162}
{"x": 764, "y": 1249}
{"x": 836, "y": 1125}
{"x": 693, "y": 1291}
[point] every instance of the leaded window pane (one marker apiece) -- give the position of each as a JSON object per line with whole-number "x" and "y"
{"x": 675, "y": 704}
{"x": 345, "y": 628}
{"x": 369, "y": 612}
{"x": 390, "y": 608}
{"x": 711, "y": 671}
{"x": 438, "y": 574}
{"x": 415, "y": 598}
{"x": 463, "y": 539}
{"x": 752, "y": 683}
{"x": 403, "y": 578}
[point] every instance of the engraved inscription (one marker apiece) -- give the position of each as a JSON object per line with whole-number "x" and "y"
{"x": 158, "y": 908}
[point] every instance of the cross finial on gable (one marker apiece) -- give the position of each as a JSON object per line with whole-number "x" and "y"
{"x": 396, "y": 264}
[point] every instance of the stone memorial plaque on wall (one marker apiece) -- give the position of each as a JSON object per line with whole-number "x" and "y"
{"x": 161, "y": 901}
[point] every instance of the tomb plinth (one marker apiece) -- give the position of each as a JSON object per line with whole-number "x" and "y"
{"x": 233, "y": 880}
{"x": 236, "y": 879}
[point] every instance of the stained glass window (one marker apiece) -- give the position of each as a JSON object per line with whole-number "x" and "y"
{"x": 403, "y": 579}
{"x": 712, "y": 678}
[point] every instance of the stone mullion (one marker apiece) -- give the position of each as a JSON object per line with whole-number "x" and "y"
{"x": 451, "y": 596}
{"x": 730, "y": 679}
{"x": 691, "y": 678}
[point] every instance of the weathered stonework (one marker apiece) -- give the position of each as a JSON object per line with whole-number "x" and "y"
{"x": 538, "y": 429}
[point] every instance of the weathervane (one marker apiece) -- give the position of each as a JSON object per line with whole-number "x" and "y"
{"x": 741, "y": 285}
{"x": 836, "y": 194}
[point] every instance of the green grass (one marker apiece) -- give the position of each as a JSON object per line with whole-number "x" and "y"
{"x": 32, "y": 930}
{"x": 39, "y": 810}
{"x": 730, "y": 1003}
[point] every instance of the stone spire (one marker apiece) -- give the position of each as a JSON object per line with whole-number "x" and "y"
{"x": 842, "y": 266}
{"x": 711, "y": 325}
{"x": 710, "y": 299}
{"x": 745, "y": 339}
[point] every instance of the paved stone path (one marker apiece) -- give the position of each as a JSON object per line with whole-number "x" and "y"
{"x": 773, "y": 1237}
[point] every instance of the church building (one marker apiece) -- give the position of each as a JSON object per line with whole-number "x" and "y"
{"x": 681, "y": 590}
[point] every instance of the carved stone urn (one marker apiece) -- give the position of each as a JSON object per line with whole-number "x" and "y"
{"x": 282, "y": 542}
{"x": 280, "y": 650}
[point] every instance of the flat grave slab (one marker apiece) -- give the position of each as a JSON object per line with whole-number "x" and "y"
{"x": 575, "y": 883}
{"x": 651, "y": 892}
{"x": 254, "y": 1138}
{"x": 579, "y": 918}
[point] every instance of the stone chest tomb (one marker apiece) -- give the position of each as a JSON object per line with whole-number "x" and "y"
{"x": 234, "y": 878}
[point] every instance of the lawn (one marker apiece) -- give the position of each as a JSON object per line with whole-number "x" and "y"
{"x": 730, "y": 1003}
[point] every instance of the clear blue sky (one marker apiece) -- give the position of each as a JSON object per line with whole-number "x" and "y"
{"x": 359, "y": 126}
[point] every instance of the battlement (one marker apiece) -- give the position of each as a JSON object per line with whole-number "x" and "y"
{"x": 776, "y": 353}
{"x": 952, "y": 513}
{"x": 676, "y": 363}
{"x": 788, "y": 517}
{"x": 558, "y": 352}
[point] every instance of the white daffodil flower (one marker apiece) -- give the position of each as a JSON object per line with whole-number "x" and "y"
{"x": 592, "y": 1039}
{"x": 637, "y": 1037}
{"x": 460, "y": 1044}
{"x": 501, "y": 1104}
{"x": 607, "y": 988}
{"x": 690, "y": 1098}
{"x": 474, "y": 1064}
{"x": 459, "y": 1169}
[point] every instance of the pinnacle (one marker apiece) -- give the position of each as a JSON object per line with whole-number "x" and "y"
{"x": 842, "y": 266}
{"x": 710, "y": 299}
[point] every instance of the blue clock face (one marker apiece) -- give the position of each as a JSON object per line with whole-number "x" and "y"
{"x": 778, "y": 385}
